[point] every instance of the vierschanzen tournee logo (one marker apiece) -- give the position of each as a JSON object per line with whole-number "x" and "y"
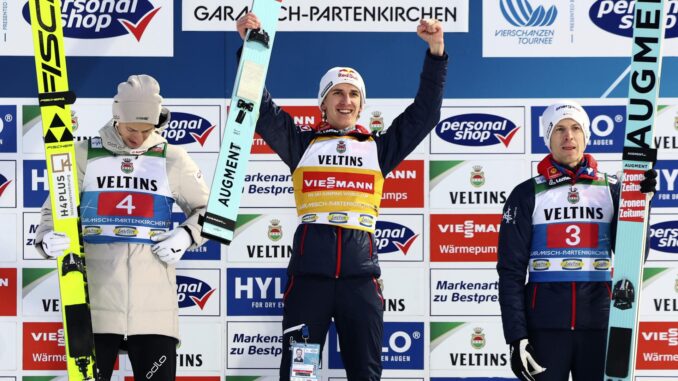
{"x": 520, "y": 13}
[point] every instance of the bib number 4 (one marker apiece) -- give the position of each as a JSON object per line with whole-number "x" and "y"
{"x": 125, "y": 204}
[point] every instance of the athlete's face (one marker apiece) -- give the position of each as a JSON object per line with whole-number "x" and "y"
{"x": 567, "y": 142}
{"x": 342, "y": 106}
{"x": 135, "y": 134}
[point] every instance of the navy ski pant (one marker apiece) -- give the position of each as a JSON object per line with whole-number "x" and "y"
{"x": 356, "y": 304}
{"x": 560, "y": 351}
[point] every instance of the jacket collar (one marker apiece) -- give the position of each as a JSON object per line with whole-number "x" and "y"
{"x": 113, "y": 142}
{"x": 551, "y": 170}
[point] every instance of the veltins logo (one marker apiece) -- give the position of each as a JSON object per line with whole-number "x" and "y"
{"x": 520, "y": 13}
{"x": 103, "y": 19}
{"x": 185, "y": 128}
{"x": 392, "y": 237}
{"x": 477, "y": 130}
{"x": 664, "y": 237}
{"x": 616, "y": 17}
{"x": 193, "y": 292}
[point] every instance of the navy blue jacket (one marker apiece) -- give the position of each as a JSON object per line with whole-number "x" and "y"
{"x": 330, "y": 250}
{"x": 535, "y": 306}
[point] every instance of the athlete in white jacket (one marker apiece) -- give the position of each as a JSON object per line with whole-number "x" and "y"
{"x": 129, "y": 177}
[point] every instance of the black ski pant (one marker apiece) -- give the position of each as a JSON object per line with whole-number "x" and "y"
{"x": 581, "y": 352}
{"x": 153, "y": 357}
{"x": 356, "y": 304}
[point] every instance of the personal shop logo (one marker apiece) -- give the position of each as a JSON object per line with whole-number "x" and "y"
{"x": 185, "y": 128}
{"x": 475, "y": 130}
{"x": 104, "y": 19}
{"x": 617, "y": 16}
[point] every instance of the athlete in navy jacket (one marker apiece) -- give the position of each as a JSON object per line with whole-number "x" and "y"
{"x": 560, "y": 227}
{"x": 338, "y": 171}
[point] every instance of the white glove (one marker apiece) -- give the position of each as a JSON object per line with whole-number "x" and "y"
{"x": 171, "y": 245}
{"x": 522, "y": 360}
{"x": 55, "y": 243}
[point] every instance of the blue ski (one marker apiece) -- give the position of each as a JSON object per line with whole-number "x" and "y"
{"x": 638, "y": 156}
{"x": 226, "y": 191}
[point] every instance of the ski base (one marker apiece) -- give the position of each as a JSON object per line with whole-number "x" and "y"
{"x": 633, "y": 216}
{"x": 224, "y": 202}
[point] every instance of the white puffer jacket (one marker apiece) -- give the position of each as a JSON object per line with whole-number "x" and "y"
{"x": 131, "y": 291}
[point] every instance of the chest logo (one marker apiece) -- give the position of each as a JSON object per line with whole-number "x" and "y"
{"x": 127, "y": 166}
{"x": 341, "y": 146}
{"x": 573, "y": 196}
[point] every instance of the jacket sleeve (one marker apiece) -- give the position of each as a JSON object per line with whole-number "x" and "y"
{"x": 46, "y": 221}
{"x": 278, "y": 130}
{"x": 418, "y": 119}
{"x": 515, "y": 240}
{"x": 189, "y": 190}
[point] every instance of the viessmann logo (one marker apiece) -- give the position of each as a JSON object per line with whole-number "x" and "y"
{"x": 476, "y": 130}
{"x": 616, "y": 17}
{"x": 89, "y": 19}
{"x": 520, "y": 13}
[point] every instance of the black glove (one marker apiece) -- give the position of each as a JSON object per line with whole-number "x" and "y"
{"x": 522, "y": 360}
{"x": 649, "y": 183}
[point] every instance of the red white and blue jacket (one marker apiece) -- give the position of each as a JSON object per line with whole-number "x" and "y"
{"x": 560, "y": 228}
{"x": 329, "y": 250}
